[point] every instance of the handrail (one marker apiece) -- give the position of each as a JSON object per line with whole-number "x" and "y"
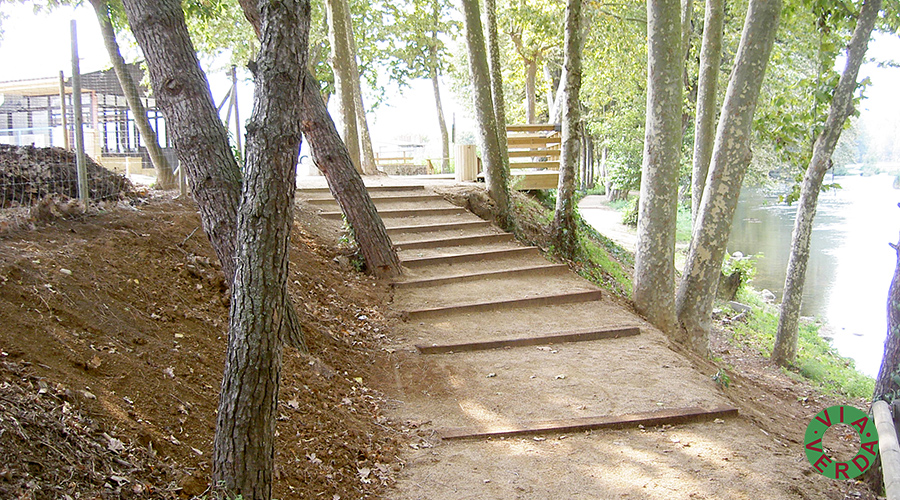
{"x": 889, "y": 448}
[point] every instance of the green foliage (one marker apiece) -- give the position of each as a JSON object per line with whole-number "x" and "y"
{"x": 683, "y": 224}
{"x": 817, "y": 360}
{"x": 630, "y": 213}
{"x": 745, "y": 266}
{"x": 721, "y": 378}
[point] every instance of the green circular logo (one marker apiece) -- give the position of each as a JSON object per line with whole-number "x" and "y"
{"x": 868, "y": 442}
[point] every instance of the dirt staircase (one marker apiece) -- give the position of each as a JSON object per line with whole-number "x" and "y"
{"x": 501, "y": 350}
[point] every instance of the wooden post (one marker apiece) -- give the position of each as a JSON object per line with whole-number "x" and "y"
{"x": 889, "y": 449}
{"x": 79, "y": 119}
{"x": 62, "y": 109}
{"x": 237, "y": 115}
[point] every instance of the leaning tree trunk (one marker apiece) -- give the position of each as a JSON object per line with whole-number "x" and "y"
{"x": 165, "y": 178}
{"x": 197, "y": 133}
{"x": 654, "y": 267}
{"x": 244, "y": 448}
{"x": 484, "y": 109}
{"x": 563, "y": 231}
{"x": 705, "y": 124}
{"x": 785, "y": 349}
{"x": 367, "y": 158}
{"x": 442, "y": 123}
{"x": 343, "y": 84}
{"x": 332, "y": 158}
{"x": 499, "y": 188}
{"x": 731, "y": 156}
{"x": 890, "y": 363}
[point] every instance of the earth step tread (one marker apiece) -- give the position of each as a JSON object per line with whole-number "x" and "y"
{"x": 557, "y": 338}
{"x": 579, "y": 424}
{"x": 458, "y": 240}
{"x": 479, "y": 275}
{"x": 370, "y": 189}
{"x": 439, "y": 227}
{"x": 391, "y": 199}
{"x": 562, "y": 298}
{"x": 468, "y": 257}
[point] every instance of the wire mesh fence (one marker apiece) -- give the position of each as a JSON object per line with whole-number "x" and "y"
{"x": 38, "y": 166}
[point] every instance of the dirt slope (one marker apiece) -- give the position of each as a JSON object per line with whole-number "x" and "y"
{"x": 121, "y": 318}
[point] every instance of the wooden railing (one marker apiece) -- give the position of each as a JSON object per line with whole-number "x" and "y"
{"x": 534, "y": 155}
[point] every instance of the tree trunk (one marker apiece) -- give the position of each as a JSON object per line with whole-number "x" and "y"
{"x": 499, "y": 177}
{"x": 531, "y": 69}
{"x": 484, "y": 108}
{"x": 165, "y": 178}
{"x": 563, "y": 231}
{"x": 442, "y": 123}
{"x": 193, "y": 125}
{"x": 890, "y": 363}
{"x": 731, "y": 156}
{"x": 244, "y": 451}
{"x": 704, "y": 127}
{"x": 197, "y": 133}
{"x": 367, "y": 159}
{"x": 332, "y": 158}
{"x": 343, "y": 84}
{"x": 654, "y": 268}
{"x": 785, "y": 349}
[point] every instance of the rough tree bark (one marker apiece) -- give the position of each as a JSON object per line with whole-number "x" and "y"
{"x": 563, "y": 231}
{"x": 367, "y": 153}
{"x": 654, "y": 268}
{"x": 244, "y": 448}
{"x": 484, "y": 109}
{"x": 705, "y": 124}
{"x": 890, "y": 363}
{"x": 332, "y": 158}
{"x": 343, "y": 83}
{"x": 197, "y": 133}
{"x": 165, "y": 178}
{"x": 785, "y": 349}
{"x": 731, "y": 156}
{"x": 500, "y": 178}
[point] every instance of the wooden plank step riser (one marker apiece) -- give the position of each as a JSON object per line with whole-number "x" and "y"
{"x": 463, "y": 240}
{"x": 535, "y": 153}
{"x": 470, "y": 257}
{"x": 437, "y": 227}
{"x": 530, "y": 341}
{"x": 386, "y": 214}
{"x": 534, "y": 127}
{"x": 651, "y": 418}
{"x": 502, "y": 305}
{"x": 534, "y": 270}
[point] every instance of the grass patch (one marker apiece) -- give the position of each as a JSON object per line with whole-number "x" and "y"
{"x": 817, "y": 360}
{"x": 683, "y": 225}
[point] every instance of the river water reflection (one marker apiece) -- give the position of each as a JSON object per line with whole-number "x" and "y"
{"x": 850, "y": 264}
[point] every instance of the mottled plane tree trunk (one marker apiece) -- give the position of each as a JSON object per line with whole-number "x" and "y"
{"x": 785, "y": 349}
{"x": 500, "y": 184}
{"x": 343, "y": 80}
{"x": 731, "y": 157}
{"x": 563, "y": 230}
{"x": 654, "y": 268}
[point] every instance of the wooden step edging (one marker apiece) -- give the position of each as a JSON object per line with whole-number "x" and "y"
{"x": 560, "y": 338}
{"x": 649, "y": 418}
{"x": 438, "y": 227}
{"x": 469, "y": 257}
{"x": 544, "y": 300}
{"x": 460, "y": 240}
{"x": 477, "y": 276}
{"x": 404, "y": 212}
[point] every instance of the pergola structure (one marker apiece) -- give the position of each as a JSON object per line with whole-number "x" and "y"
{"x": 31, "y": 112}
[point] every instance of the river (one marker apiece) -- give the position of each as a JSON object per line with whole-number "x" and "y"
{"x": 850, "y": 265}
